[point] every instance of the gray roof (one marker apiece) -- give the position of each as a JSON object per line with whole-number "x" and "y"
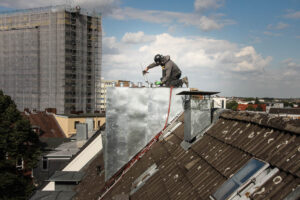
{"x": 67, "y": 176}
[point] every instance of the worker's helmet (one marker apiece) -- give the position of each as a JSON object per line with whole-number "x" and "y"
{"x": 158, "y": 58}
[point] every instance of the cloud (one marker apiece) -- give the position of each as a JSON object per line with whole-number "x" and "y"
{"x": 268, "y": 33}
{"x": 112, "y": 8}
{"x": 278, "y": 26}
{"x": 210, "y": 64}
{"x": 137, "y": 38}
{"x": 103, "y": 6}
{"x": 201, "y": 5}
{"x": 291, "y": 64}
{"x": 204, "y": 23}
{"x": 195, "y": 53}
{"x": 293, "y": 15}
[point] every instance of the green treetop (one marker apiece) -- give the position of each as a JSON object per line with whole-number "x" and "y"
{"x": 18, "y": 145}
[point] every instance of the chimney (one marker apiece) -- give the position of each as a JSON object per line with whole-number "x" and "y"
{"x": 51, "y": 110}
{"x": 134, "y": 117}
{"x": 197, "y": 114}
{"x": 81, "y": 131}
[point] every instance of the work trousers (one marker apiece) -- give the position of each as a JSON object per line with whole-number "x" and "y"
{"x": 174, "y": 81}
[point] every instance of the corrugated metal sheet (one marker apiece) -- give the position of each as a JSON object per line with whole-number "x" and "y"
{"x": 221, "y": 152}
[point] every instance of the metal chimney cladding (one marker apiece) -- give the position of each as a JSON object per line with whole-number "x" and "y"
{"x": 133, "y": 117}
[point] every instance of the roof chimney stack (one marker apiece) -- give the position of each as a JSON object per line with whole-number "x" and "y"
{"x": 197, "y": 114}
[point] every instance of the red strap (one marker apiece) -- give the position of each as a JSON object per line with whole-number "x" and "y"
{"x": 170, "y": 101}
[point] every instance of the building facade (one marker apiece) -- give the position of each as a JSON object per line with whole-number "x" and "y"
{"x": 51, "y": 58}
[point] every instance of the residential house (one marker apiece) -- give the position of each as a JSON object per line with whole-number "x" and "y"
{"x": 286, "y": 112}
{"x": 243, "y": 107}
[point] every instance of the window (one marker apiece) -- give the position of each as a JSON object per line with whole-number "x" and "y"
{"x": 45, "y": 163}
{"x": 19, "y": 164}
{"x": 75, "y": 123}
{"x": 244, "y": 176}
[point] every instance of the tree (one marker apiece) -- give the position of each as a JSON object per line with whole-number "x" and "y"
{"x": 259, "y": 108}
{"x": 232, "y": 105}
{"x": 256, "y": 101}
{"x": 18, "y": 143}
{"x": 250, "y": 107}
{"x": 287, "y": 104}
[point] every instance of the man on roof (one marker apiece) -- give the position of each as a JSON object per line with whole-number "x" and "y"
{"x": 170, "y": 71}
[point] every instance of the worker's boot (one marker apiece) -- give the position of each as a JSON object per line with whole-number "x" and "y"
{"x": 185, "y": 81}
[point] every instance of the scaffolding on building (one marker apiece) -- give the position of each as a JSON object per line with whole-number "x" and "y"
{"x": 50, "y": 57}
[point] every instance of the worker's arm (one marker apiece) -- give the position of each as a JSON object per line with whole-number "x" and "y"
{"x": 150, "y": 66}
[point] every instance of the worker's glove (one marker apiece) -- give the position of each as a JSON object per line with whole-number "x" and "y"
{"x": 145, "y": 72}
{"x": 158, "y": 83}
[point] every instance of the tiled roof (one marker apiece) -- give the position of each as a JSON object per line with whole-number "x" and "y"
{"x": 47, "y": 124}
{"x": 198, "y": 172}
{"x": 291, "y": 111}
{"x": 91, "y": 185}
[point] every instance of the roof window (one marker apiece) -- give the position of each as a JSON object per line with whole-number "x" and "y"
{"x": 246, "y": 181}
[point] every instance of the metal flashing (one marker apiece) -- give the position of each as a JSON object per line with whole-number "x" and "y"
{"x": 141, "y": 180}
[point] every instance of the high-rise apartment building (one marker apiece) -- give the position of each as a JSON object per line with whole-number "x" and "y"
{"x": 51, "y": 58}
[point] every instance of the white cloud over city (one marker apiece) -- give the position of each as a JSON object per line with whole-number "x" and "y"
{"x": 205, "y": 23}
{"x": 292, "y": 14}
{"x": 201, "y": 59}
{"x": 210, "y": 63}
{"x": 103, "y": 6}
{"x": 112, "y": 8}
{"x": 278, "y": 26}
{"x": 201, "y": 5}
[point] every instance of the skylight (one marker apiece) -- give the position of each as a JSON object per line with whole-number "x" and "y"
{"x": 243, "y": 177}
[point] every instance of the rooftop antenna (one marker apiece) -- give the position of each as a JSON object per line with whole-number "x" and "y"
{"x": 145, "y": 76}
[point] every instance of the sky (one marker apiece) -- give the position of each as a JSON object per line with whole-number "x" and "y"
{"x": 240, "y": 48}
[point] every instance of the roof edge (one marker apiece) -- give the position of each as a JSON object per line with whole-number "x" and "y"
{"x": 280, "y": 123}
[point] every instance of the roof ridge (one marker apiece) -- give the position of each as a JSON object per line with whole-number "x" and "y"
{"x": 262, "y": 119}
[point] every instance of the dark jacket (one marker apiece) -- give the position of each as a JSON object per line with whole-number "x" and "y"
{"x": 169, "y": 69}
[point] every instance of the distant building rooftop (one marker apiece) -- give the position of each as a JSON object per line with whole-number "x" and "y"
{"x": 45, "y": 124}
{"x": 290, "y": 111}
